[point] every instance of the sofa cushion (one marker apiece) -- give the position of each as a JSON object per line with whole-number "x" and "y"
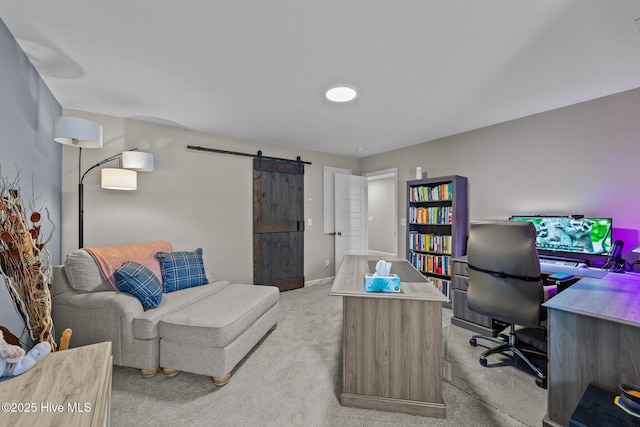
{"x": 83, "y": 273}
{"x": 182, "y": 269}
{"x": 145, "y": 325}
{"x": 139, "y": 281}
{"x": 219, "y": 319}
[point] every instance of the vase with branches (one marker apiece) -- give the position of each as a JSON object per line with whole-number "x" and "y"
{"x": 25, "y": 262}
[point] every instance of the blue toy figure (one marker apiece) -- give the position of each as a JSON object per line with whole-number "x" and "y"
{"x": 14, "y": 361}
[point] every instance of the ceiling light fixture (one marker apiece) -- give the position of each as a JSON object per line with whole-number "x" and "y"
{"x": 341, "y": 93}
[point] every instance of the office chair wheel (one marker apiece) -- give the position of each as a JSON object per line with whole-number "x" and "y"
{"x": 483, "y": 361}
{"x": 541, "y": 382}
{"x": 473, "y": 342}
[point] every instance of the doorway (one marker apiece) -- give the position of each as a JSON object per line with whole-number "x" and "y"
{"x": 382, "y": 212}
{"x": 348, "y": 212}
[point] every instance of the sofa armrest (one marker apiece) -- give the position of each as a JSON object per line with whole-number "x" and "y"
{"x": 95, "y": 317}
{"x": 124, "y": 305}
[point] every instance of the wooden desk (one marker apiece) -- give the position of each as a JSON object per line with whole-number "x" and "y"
{"x": 594, "y": 337}
{"x": 66, "y": 388}
{"x": 392, "y": 342}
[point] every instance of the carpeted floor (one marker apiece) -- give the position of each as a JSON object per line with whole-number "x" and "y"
{"x": 293, "y": 378}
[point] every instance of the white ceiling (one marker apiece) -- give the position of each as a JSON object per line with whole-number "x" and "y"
{"x": 258, "y": 69}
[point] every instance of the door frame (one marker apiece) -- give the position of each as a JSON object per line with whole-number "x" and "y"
{"x": 341, "y": 233}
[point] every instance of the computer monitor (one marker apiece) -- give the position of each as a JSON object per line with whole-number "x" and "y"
{"x": 571, "y": 234}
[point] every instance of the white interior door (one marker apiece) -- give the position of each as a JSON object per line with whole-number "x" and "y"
{"x": 350, "y": 192}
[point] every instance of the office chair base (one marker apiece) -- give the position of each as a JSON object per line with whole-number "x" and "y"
{"x": 474, "y": 339}
{"x": 510, "y": 346}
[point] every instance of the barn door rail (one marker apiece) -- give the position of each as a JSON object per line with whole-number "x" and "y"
{"x": 258, "y": 155}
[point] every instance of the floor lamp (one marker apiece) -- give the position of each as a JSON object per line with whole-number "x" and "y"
{"x": 83, "y": 133}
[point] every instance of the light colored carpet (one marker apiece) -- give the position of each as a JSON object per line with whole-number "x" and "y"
{"x": 292, "y": 378}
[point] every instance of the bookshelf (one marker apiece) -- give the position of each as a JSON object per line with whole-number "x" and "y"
{"x": 437, "y": 227}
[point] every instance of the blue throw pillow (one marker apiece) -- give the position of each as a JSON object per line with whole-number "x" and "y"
{"x": 139, "y": 281}
{"x": 181, "y": 269}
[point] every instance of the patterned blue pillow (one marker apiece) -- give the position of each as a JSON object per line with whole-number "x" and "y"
{"x": 181, "y": 269}
{"x": 139, "y": 281}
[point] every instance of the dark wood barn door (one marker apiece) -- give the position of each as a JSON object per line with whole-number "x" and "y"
{"x": 278, "y": 223}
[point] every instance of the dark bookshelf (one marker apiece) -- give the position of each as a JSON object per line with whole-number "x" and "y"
{"x": 437, "y": 227}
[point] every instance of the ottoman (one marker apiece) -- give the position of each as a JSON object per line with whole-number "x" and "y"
{"x": 212, "y": 335}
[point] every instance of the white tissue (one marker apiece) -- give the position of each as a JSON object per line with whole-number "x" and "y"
{"x": 382, "y": 268}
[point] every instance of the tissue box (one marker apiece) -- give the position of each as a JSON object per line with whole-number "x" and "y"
{"x": 390, "y": 283}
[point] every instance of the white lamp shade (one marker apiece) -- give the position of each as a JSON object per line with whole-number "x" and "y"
{"x": 77, "y": 132}
{"x": 119, "y": 179}
{"x": 137, "y": 161}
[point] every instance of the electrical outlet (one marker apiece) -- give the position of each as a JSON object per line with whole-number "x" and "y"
{"x": 326, "y": 262}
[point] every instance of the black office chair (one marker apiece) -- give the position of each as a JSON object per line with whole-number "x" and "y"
{"x": 505, "y": 283}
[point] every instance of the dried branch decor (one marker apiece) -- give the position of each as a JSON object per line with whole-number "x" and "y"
{"x": 25, "y": 262}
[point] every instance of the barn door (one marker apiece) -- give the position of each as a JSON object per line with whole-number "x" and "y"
{"x": 278, "y": 223}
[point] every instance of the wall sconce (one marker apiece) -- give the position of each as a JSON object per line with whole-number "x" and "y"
{"x": 83, "y": 133}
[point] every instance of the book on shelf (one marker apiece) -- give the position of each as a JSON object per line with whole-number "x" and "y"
{"x": 442, "y": 285}
{"x": 424, "y": 193}
{"x": 430, "y": 242}
{"x": 434, "y": 264}
{"x": 431, "y": 215}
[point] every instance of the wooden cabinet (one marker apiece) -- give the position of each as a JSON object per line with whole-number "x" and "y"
{"x": 391, "y": 342}
{"x": 437, "y": 227}
{"x": 66, "y": 388}
{"x": 594, "y": 337}
{"x": 462, "y": 315}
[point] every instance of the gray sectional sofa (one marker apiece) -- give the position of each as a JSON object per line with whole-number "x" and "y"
{"x": 206, "y": 329}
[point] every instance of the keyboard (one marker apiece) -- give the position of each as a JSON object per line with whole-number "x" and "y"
{"x": 562, "y": 262}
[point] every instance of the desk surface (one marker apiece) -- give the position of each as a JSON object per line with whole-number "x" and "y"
{"x": 615, "y": 297}
{"x": 599, "y": 293}
{"x": 349, "y": 281}
{"x": 559, "y": 268}
{"x": 66, "y": 388}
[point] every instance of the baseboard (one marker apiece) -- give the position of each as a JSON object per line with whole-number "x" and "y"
{"x": 318, "y": 281}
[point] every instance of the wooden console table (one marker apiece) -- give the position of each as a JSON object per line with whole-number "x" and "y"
{"x": 66, "y": 388}
{"x": 392, "y": 342}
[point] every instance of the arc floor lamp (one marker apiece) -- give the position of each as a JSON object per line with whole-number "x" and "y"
{"x": 82, "y": 133}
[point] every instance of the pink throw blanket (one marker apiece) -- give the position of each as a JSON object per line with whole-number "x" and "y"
{"x": 111, "y": 258}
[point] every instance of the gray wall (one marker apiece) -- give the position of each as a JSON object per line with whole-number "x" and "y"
{"x": 581, "y": 159}
{"x": 27, "y": 113}
{"x": 192, "y": 199}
